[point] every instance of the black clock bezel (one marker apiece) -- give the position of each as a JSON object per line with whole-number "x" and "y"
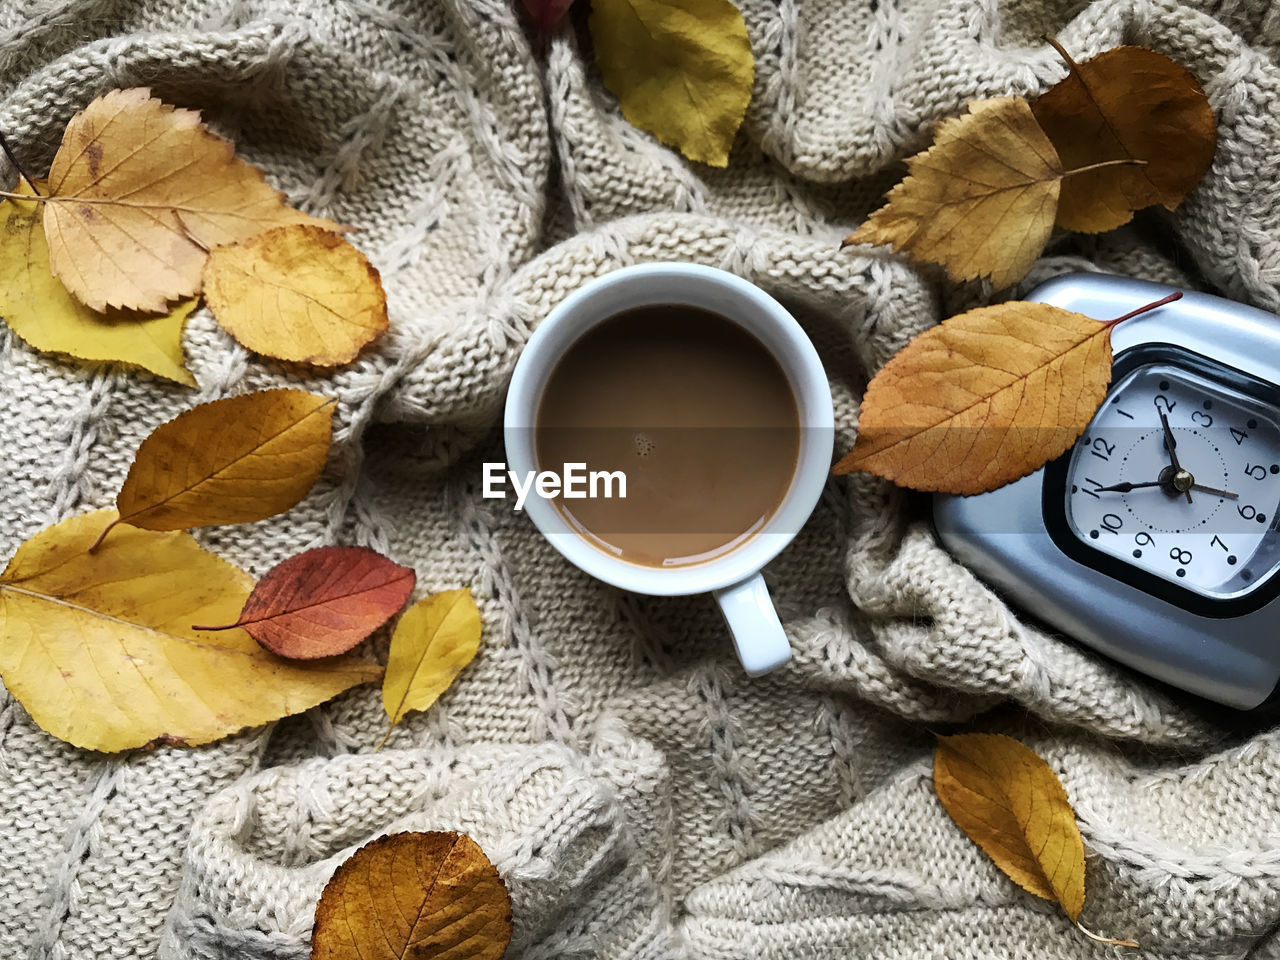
{"x": 1054, "y": 493}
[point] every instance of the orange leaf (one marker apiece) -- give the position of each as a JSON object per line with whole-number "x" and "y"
{"x": 1126, "y": 104}
{"x": 419, "y": 895}
{"x": 984, "y": 398}
{"x": 324, "y": 601}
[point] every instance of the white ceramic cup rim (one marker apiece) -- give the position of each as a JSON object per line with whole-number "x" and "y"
{"x": 737, "y": 300}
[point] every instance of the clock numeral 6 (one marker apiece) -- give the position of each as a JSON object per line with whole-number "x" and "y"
{"x": 1255, "y": 470}
{"x": 1182, "y": 556}
{"x": 1248, "y": 511}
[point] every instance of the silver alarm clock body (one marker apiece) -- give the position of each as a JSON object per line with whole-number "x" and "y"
{"x": 1164, "y": 556}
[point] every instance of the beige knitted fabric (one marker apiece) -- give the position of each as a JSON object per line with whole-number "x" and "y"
{"x": 640, "y": 796}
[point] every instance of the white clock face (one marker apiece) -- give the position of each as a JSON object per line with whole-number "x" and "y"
{"x": 1127, "y": 498}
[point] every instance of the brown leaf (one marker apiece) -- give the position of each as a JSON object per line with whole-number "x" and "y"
{"x": 141, "y": 191}
{"x": 1126, "y": 103}
{"x": 324, "y": 601}
{"x": 984, "y": 398}
{"x": 980, "y": 201}
{"x": 414, "y": 895}
{"x": 297, "y": 293}
{"x": 234, "y": 460}
{"x": 1012, "y": 805}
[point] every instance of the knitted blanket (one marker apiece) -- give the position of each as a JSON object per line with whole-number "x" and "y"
{"x": 639, "y": 795}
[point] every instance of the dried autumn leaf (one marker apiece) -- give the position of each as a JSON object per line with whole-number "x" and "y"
{"x": 980, "y": 201}
{"x": 37, "y": 307}
{"x": 414, "y": 895}
{"x": 681, "y": 70}
{"x": 985, "y": 397}
{"x": 324, "y": 601}
{"x": 434, "y": 640}
{"x": 1127, "y": 103}
{"x": 297, "y": 293}
{"x": 230, "y": 461}
{"x": 141, "y": 191}
{"x": 1012, "y": 805}
{"x": 99, "y": 647}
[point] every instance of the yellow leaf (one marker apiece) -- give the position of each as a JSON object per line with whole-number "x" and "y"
{"x": 433, "y": 641}
{"x": 1012, "y": 805}
{"x": 980, "y": 201}
{"x": 681, "y": 70}
{"x": 230, "y": 461}
{"x": 414, "y": 895}
{"x": 297, "y": 293}
{"x": 37, "y": 307}
{"x": 141, "y": 191}
{"x": 985, "y": 397}
{"x": 99, "y": 647}
{"x": 1126, "y": 104}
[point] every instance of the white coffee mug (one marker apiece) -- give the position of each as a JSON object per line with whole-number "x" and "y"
{"x": 734, "y": 577}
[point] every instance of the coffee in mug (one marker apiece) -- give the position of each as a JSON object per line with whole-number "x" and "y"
{"x": 696, "y": 413}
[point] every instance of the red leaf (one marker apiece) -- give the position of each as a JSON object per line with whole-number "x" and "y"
{"x": 324, "y": 601}
{"x": 547, "y": 13}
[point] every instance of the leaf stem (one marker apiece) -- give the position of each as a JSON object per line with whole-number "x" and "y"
{"x": 383, "y": 742}
{"x": 229, "y": 626}
{"x": 1176, "y": 295}
{"x": 1066, "y": 57}
{"x": 103, "y": 535}
{"x": 1123, "y": 162}
{"x": 1101, "y": 939}
{"x": 4, "y": 145}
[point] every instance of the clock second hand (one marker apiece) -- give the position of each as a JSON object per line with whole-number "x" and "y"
{"x": 1126, "y": 487}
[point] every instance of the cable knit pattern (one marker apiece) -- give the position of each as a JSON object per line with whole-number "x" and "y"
{"x": 640, "y": 796}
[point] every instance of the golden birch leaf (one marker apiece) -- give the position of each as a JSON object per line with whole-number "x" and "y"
{"x": 681, "y": 69}
{"x": 297, "y": 293}
{"x": 980, "y": 201}
{"x": 37, "y": 307}
{"x": 434, "y": 640}
{"x": 234, "y": 460}
{"x": 141, "y": 191}
{"x": 1012, "y": 805}
{"x": 414, "y": 895}
{"x": 1126, "y": 104}
{"x": 99, "y": 647}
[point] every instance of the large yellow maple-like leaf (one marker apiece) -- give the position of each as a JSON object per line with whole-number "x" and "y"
{"x": 681, "y": 69}
{"x": 99, "y": 647}
{"x": 37, "y": 307}
{"x": 981, "y": 201}
{"x": 297, "y": 293}
{"x": 414, "y": 895}
{"x": 140, "y": 192}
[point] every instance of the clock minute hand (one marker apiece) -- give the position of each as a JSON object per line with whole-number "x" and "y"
{"x": 1171, "y": 445}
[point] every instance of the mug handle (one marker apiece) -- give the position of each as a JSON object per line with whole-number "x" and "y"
{"x": 757, "y": 631}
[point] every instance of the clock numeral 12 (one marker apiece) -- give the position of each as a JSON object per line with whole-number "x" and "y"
{"x": 1101, "y": 449}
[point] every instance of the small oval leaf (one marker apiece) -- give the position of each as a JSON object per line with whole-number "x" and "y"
{"x": 434, "y": 640}
{"x": 297, "y": 293}
{"x": 419, "y": 895}
{"x": 230, "y": 461}
{"x": 324, "y": 601}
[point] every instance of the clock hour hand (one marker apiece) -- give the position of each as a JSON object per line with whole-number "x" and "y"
{"x": 1180, "y": 476}
{"x": 1126, "y": 487}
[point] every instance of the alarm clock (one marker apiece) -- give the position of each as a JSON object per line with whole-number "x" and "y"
{"x": 1156, "y": 538}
